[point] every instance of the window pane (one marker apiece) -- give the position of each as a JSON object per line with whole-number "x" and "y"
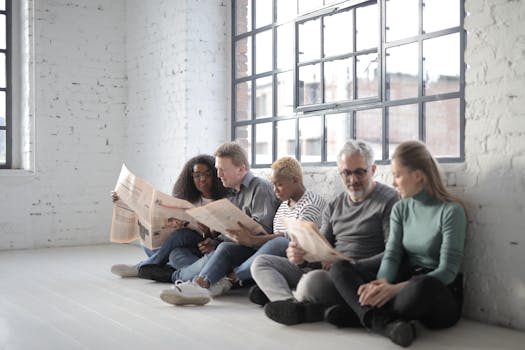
{"x": 286, "y": 10}
{"x": 285, "y": 50}
{"x": 442, "y": 121}
{"x": 309, "y": 84}
{"x": 309, "y": 5}
{"x": 368, "y": 127}
{"x": 243, "y": 101}
{"x": 263, "y": 13}
{"x": 338, "y": 33}
{"x": 2, "y": 147}
{"x": 310, "y": 40}
{"x": 440, "y": 14}
{"x": 263, "y": 52}
{"x": 263, "y": 97}
{"x": 402, "y": 71}
{"x": 286, "y": 138}
{"x": 403, "y": 123}
{"x": 367, "y": 75}
{"x": 441, "y": 64}
{"x": 338, "y": 131}
{"x": 243, "y": 16}
{"x": 2, "y": 4}
{"x": 402, "y": 19}
{"x": 2, "y": 32}
{"x": 243, "y": 135}
{"x": 263, "y": 143}
{"x": 339, "y": 80}
{"x": 243, "y": 57}
{"x": 285, "y": 93}
{"x": 367, "y": 26}
{"x": 310, "y": 139}
{"x": 2, "y": 70}
{"x": 2, "y": 108}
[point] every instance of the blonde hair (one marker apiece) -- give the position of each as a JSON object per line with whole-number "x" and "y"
{"x": 288, "y": 167}
{"x": 235, "y": 152}
{"x": 415, "y": 156}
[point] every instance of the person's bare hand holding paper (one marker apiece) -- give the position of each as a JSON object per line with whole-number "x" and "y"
{"x": 308, "y": 237}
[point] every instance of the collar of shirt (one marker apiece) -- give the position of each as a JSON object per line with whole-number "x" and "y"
{"x": 246, "y": 181}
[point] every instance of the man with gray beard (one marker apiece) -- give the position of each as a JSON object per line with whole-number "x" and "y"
{"x": 356, "y": 223}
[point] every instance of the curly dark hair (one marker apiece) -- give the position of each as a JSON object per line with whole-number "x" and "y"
{"x": 184, "y": 187}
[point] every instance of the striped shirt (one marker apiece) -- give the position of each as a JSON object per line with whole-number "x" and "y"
{"x": 309, "y": 208}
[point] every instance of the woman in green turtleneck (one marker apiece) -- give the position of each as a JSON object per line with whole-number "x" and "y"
{"x": 420, "y": 275}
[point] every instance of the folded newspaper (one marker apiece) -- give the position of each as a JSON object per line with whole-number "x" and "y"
{"x": 144, "y": 213}
{"x": 222, "y": 215}
{"x": 309, "y": 238}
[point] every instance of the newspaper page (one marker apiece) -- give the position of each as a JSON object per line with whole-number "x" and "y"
{"x": 309, "y": 238}
{"x": 222, "y": 215}
{"x": 144, "y": 213}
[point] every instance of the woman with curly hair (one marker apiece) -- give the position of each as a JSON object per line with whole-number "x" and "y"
{"x": 198, "y": 184}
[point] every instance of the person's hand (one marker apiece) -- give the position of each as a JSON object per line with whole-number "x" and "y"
{"x": 294, "y": 253}
{"x": 207, "y": 245}
{"x": 205, "y": 229}
{"x": 326, "y": 265}
{"x": 175, "y": 223}
{"x": 377, "y": 293}
{"x": 114, "y": 196}
{"x": 242, "y": 236}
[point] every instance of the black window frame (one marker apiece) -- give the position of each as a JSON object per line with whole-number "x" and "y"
{"x": 350, "y": 106}
{"x": 8, "y": 88}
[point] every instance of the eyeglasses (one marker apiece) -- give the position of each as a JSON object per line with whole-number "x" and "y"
{"x": 199, "y": 175}
{"x": 360, "y": 173}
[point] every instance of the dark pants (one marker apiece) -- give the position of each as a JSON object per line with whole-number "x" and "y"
{"x": 425, "y": 298}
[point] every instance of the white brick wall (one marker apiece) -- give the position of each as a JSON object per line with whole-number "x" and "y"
{"x": 80, "y": 94}
{"x": 178, "y": 71}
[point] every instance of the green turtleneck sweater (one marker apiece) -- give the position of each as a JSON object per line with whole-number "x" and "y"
{"x": 430, "y": 232}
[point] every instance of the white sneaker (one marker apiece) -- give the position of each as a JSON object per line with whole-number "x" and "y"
{"x": 124, "y": 270}
{"x": 220, "y": 287}
{"x": 184, "y": 293}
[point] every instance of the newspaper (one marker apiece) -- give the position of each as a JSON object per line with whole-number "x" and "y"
{"x": 308, "y": 237}
{"x": 144, "y": 213}
{"x": 222, "y": 216}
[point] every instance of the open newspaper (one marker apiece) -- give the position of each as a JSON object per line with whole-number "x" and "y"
{"x": 309, "y": 238}
{"x": 144, "y": 213}
{"x": 222, "y": 216}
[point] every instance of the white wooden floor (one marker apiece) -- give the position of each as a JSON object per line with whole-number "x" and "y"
{"x": 66, "y": 298}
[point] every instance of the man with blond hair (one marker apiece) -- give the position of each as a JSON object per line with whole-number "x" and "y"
{"x": 233, "y": 258}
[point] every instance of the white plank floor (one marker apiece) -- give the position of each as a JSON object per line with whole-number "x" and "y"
{"x": 66, "y": 298}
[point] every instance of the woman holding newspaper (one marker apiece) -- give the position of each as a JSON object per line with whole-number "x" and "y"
{"x": 198, "y": 184}
{"x": 420, "y": 276}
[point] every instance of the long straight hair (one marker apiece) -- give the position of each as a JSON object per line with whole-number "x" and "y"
{"x": 415, "y": 156}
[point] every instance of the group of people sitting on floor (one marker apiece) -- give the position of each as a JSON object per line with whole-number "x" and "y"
{"x": 405, "y": 247}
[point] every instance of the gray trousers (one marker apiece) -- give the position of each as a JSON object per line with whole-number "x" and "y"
{"x": 280, "y": 279}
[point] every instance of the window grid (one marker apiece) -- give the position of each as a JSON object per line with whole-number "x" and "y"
{"x": 355, "y": 104}
{"x": 6, "y": 141}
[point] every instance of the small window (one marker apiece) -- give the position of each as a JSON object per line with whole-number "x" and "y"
{"x": 5, "y": 85}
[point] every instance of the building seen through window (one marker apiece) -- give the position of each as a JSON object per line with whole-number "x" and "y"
{"x": 308, "y": 75}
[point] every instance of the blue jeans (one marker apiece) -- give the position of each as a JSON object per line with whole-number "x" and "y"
{"x": 196, "y": 262}
{"x": 229, "y": 256}
{"x": 183, "y": 237}
{"x": 276, "y": 246}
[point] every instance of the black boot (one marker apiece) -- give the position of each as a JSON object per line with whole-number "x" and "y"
{"x": 290, "y": 312}
{"x": 398, "y": 331}
{"x": 257, "y": 296}
{"x": 159, "y": 273}
{"x": 341, "y": 316}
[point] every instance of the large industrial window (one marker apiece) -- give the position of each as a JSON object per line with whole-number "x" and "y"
{"x": 5, "y": 88}
{"x": 308, "y": 75}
